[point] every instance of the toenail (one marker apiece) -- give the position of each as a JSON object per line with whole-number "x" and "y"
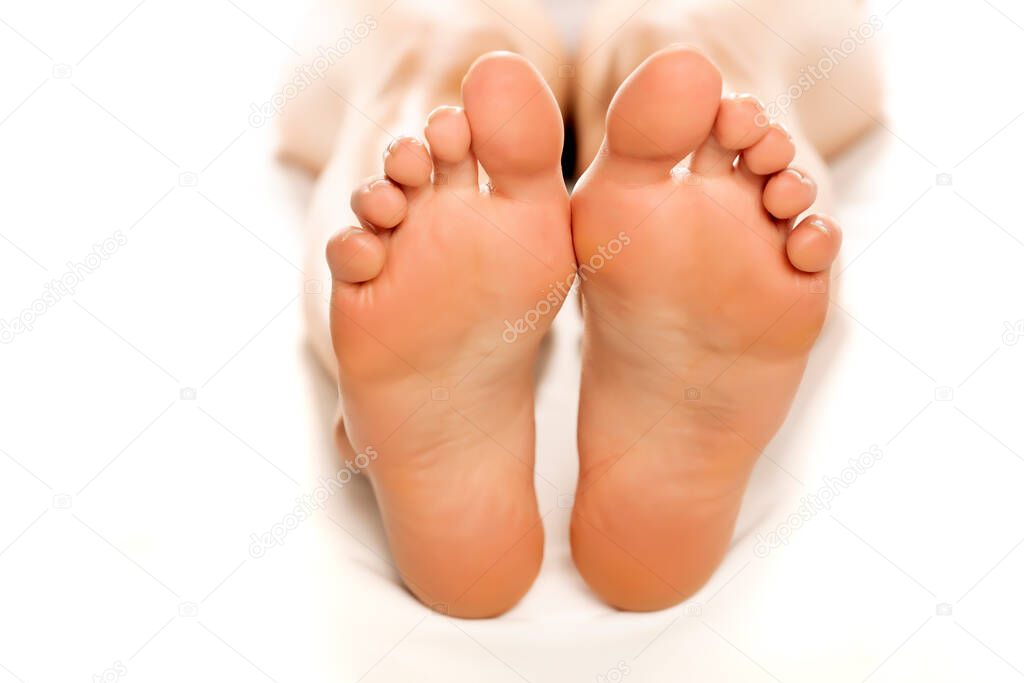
{"x": 820, "y": 225}
{"x": 745, "y": 96}
{"x": 801, "y": 176}
{"x": 447, "y": 109}
{"x": 782, "y": 129}
{"x": 350, "y": 232}
{"x": 395, "y": 145}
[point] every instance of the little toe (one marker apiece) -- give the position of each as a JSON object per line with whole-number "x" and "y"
{"x": 772, "y": 153}
{"x": 789, "y": 193}
{"x": 814, "y": 243}
{"x": 407, "y": 162}
{"x": 355, "y": 255}
{"x": 379, "y": 203}
{"x": 448, "y": 135}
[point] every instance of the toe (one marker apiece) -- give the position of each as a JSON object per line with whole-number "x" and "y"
{"x": 515, "y": 125}
{"x": 407, "y": 162}
{"x": 812, "y": 246}
{"x": 712, "y": 158}
{"x": 789, "y": 193}
{"x": 772, "y": 153}
{"x": 449, "y": 139}
{"x": 355, "y": 255}
{"x": 379, "y": 203}
{"x": 739, "y": 124}
{"x": 663, "y": 111}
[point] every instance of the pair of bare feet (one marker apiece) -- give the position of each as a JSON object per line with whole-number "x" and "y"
{"x": 701, "y": 303}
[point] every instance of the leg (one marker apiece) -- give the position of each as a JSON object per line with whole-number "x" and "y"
{"x": 697, "y": 331}
{"x": 426, "y": 269}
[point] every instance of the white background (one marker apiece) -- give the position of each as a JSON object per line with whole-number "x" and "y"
{"x": 126, "y": 512}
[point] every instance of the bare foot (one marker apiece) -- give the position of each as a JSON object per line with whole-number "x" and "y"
{"x": 698, "y": 326}
{"x": 428, "y": 376}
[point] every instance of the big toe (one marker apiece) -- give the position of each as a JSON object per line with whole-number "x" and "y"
{"x": 664, "y": 110}
{"x": 515, "y": 124}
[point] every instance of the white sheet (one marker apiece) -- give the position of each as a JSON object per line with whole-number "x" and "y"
{"x": 126, "y": 513}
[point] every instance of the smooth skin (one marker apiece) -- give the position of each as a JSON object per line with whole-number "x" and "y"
{"x": 422, "y": 288}
{"x": 441, "y": 203}
{"x": 696, "y": 334}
